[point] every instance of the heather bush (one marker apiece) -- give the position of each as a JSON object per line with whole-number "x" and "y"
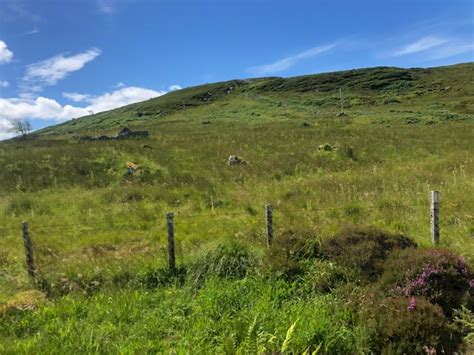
{"x": 409, "y": 325}
{"x": 439, "y": 275}
{"x": 364, "y": 249}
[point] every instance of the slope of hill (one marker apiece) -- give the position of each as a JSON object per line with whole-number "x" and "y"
{"x": 438, "y": 94}
{"x": 100, "y": 230}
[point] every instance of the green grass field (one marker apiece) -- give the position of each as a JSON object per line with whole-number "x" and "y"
{"x": 100, "y": 234}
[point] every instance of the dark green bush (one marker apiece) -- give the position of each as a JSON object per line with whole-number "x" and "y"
{"x": 439, "y": 275}
{"x": 402, "y": 325}
{"x": 289, "y": 248}
{"x": 229, "y": 259}
{"x": 364, "y": 249}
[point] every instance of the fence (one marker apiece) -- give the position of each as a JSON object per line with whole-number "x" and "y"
{"x": 269, "y": 233}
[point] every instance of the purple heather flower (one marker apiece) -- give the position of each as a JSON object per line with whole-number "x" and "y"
{"x": 412, "y": 304}
{"x": 471, "y": 283}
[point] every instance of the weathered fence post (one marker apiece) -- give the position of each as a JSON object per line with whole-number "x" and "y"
{"x": 30, "y": 260}
{"x": 434, "y": 214}
{"x": 170, "y": 225}
{"x": 269, "y": 223}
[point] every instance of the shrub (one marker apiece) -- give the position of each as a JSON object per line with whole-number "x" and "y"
{"x": 439, "y": 275}
{"x": 402, "y": 325}
{"x": 288, "y": 249}
{"x": 364, "y": 249}
{"x": 230, "y": 259}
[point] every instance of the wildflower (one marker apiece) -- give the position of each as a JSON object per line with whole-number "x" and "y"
{"x": 412, "y": 304}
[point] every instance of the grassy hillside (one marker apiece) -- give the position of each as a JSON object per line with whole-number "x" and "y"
{"x": 100, "y": 233}
{"x": 372, "y": 95}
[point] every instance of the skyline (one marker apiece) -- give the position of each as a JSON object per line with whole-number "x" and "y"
{"x": 60, "y": 61}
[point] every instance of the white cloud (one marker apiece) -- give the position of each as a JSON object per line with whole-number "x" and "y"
{"x": 119, "y": 85}
{"x": 288, "y": 62}
{"x": 420, "y": 45}
{"x": 121, "y": 97}
{"x": 32, "y": 32}
{"x": 48, "y": 72}
{"x": 107, "y": 6}
{"x": 434, "y": 47}
{"x": 76, "y": 97}
{"x": 5, "y": 129}
{"x": 6, "y": 55}
{"x": 42, "y": 108}
{"x": 452, "y": 49}
{"x": 174, "y": 88}
{"x": 4, "y": 84}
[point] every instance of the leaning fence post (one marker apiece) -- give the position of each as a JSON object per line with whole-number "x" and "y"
{"x": 30, "y": 260}
{"x": 434, "y": 214}
{"x": 269, "y": 223}
{"x": 170, "y": 225}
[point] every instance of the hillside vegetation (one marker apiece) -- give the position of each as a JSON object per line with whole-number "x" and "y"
{"x": 349, "y": 194}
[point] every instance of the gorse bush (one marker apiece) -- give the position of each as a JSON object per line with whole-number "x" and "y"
{"x": 439, "y": 275}
{"x": 364, "y": 249}
{"x": 402, "y": 325}
{"x": 228, "y": 259}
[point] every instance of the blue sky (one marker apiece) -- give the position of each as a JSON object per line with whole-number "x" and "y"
{"x": 63, "y": 59}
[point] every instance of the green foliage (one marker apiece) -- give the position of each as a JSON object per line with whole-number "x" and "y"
{"x": 439, "y": 275}
{"x": 322, "y": 276}
{"x": 402, "y": 325}
{"x": 228, "y": 259}
{"x": 364, "y": 249}
{"x": 464, "y": 319}
{"x": 288, "y": 250}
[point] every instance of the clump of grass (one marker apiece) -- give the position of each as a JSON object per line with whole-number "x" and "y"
{"x": 227, "y": 259}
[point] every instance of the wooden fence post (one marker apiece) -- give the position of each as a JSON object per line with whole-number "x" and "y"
{"x": 434, "y": 214}
{"x": 30, "y": 260}
{"x": 269, "y": 223}
{"x": 171, "y": 255}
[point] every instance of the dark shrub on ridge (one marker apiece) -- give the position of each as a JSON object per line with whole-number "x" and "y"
{"x": 439, "y": 275}
{"x": 364, "y": 249}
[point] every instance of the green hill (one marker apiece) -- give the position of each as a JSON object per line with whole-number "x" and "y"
{"x": 438, "y": 94}
{"x": 348, "y": 192}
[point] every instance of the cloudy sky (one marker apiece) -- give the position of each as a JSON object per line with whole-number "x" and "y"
{"x": 64, "y": 59}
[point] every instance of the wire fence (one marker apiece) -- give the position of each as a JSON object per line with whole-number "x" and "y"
{"x": 220, "y": 213}
{"x": 280, "y": 212}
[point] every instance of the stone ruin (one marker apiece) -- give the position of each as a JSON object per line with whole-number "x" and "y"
{"x": 124, "y": 133}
